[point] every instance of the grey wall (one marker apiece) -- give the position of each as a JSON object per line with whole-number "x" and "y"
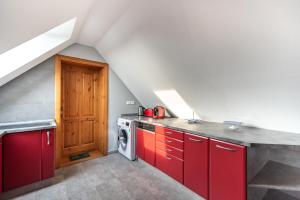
{"x": 31, "y": 95}
{"x": 229, "y": 60}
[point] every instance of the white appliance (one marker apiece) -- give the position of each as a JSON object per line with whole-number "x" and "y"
{"x": 126, "y": 138}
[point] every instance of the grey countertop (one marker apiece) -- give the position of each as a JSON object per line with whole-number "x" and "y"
{"x": 16, "y": 127}
{"x": 244, "y": 135}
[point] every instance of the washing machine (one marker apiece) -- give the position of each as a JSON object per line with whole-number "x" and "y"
{"x": 126, "y": 138}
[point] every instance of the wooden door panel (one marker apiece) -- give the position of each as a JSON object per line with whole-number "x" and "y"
{"x": 71, "y": 134}
{"x": 71, "y": 92}
{"x": 88, "y": 92}
{"x": 79, "y": 108}
{"x": 87, "y": 128}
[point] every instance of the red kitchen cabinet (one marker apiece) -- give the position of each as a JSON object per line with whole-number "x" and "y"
{"x": 227, "y": 171}
{"x": 48, "y": 148}
{"x": 140, "y": 149}
{"x": 22, "y": 159}
{"x": 149, "y": 147}
{"x": 145, "y": 145}
{"x": 196, "y": 164}
{"x": 1, "y": 176}
{"x": 170, "y": 165}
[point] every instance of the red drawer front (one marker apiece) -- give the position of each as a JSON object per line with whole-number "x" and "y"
{"x": 227, "y": 171}
{"x": 169, "y": 164}
{"x": 169, "y": 141}
{"x": 178, "y": 135}
{"x": 171, "y": 150}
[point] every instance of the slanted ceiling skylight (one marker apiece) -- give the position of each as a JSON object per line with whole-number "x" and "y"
{"x": 176, "y": 104}
{"x": 25, "y": 53}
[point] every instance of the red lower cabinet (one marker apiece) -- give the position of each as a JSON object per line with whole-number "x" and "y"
{"x": 1, "y": 176}
{"x": 149, "y": 146}
{"x": 227, "y": 171}
{"x": 28, "y": 157}
{"x": 196, "y": 164}
{"x": 145, "y": 145}
{"x": 169, "y": 164}
{"x": 22, "y": 159}
{"x": 140, "y": 149}
{"x": 48, "y": 148}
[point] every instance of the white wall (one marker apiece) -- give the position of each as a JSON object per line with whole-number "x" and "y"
{"x": 31, "y": 95}
{"x": 229, "y": 60}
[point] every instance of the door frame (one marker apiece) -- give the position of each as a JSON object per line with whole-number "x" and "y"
{"x": 103, "y": 92}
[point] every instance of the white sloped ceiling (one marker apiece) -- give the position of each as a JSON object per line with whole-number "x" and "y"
{"x": 229, "y": 60}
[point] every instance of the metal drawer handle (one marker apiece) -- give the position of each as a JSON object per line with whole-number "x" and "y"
{"x": 168, "y": 158}
{"x": 48, "y": 138}
{"x": 169, "y": 150}
{"x": 226, "y": 148}
{"x": 194, "y": 140}
{"x": 168, "y": 141}
{"x": 168, "y": 133}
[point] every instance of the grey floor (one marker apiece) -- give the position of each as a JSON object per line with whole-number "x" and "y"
{"x": 113, "y": 178}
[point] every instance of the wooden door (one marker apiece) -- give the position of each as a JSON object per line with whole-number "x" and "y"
{"x": 80, "y": 109}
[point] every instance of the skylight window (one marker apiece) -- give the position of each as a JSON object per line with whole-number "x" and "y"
{"x": 21, "y": 55}
{"x": 176, "y": 104}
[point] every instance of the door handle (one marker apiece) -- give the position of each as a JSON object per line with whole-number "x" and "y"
{"x": 48, "y": 138}
{"x": 226, "y": 148}
{"x": 194, "y": 140}
{"x": 168, "y": 158}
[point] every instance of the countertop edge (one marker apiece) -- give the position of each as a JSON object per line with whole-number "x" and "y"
{"x": 52, "y": 125}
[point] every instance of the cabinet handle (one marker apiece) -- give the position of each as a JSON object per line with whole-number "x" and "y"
{"x": 168, "y": 133}
{"x": 226, "y": 148}
{"x": 194, "y": 140}
{"x": 168, "y": 141}
{"x": 168, "y": 158}
{"x": 48, "y": 137}
{"x": 169, "y": 150}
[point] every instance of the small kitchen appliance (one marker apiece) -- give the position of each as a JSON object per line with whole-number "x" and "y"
{"x": 148, "y": 112}
{"x": 159, "y": 112}
{"x": 141, "y": 110}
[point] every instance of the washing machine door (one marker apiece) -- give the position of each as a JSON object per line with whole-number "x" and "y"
{"x": 123, "y": 138}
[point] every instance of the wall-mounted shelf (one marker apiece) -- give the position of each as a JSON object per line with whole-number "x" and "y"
{"x": 278, "y": 195}
{"x": 279, "y": 176}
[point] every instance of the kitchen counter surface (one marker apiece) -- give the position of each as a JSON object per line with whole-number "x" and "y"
{"x": 243, "y": 136}
{"x": 15, "y": 127}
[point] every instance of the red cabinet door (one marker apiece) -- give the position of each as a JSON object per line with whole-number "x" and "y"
{"x": 22, "y": 159}
{"x": 149, "y": 147}
{"x": 227, "y": 171}
{"x": 1, "y": 176}
{"x": 140, "y": 150}
{"x": 196, "y": 164}
{"x": 48, "y": 147}
{"x": 169, "y": 164}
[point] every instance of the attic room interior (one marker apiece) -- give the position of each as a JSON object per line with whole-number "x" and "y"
{"x": 150, "y": 100}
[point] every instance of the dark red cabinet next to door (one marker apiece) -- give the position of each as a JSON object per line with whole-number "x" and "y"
{"x": 22, "y": 159}
{"x": 48, "y": 148}
{"x": 196, "y": 164}
{"x": 227, "y": 171}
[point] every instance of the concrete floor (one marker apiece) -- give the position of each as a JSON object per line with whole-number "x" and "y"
{"x": 113, "y": 178}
